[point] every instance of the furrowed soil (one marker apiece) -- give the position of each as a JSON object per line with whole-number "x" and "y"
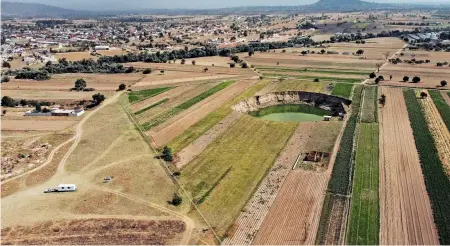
{"x": 405, "y": 212}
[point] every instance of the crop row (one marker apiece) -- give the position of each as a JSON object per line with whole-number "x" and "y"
{"x": 313, "y": 70}
{"x": 442, "y": 107}
{"x": 332, "y": 79}
{"x": 152, "y": 106}
{"x": 436, "y": 181}
{"x": 340, "y": 177}
{"x": 370, "y": 107}
{"x": 185, "y": 105}
{"x": 137, "y": 96}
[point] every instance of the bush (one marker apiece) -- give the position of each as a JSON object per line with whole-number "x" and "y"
{"x": 80, "y": 84}
{"x": 46, "y": 110}
{"x": 377, "y": 80}
{"x": 372, "y": 75}
{"x": 443, "y": 83}
{"x": 176, "y": 200}
{"x": 122, "y": 87}
{"x": 8, "y": 102}
{"x": 381, "y": 78}
{"x": 147, "y": 71}
{"x": 193, "y": 62}
{"x": 98, "y": 98}
{"x": 5, "y": 79}
{"x": 129, "y": 69}
{"x": 416, "y": 79}
{"x": 316, "y": 80}
{"x": 244, "y": 65}
{"x": 89, "y": 89}
{"x": 405, "y": 79}
{"x": 232, "y": 65}
{"x": 167, "y": 154}
{"x": 439, "y": 64}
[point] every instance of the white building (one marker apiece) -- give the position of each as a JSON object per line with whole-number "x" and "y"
{"x": 67, "y": 187}
{"x": 101, "y": 47}
{"x": 57, "y": 112}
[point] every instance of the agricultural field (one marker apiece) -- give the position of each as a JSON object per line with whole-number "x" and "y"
{"x": 364, "y": 216}
{"x": 342, "y": 90}
{"x": 437, "y": 182}
{"x": 405, "y": 209}
{"x": 224, "y": 166}
{"x": 442, "y": 106}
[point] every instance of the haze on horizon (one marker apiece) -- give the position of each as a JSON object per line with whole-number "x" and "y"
{"x": 112, "y": 5}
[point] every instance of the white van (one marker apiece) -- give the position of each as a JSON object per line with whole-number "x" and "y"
{"x": 66, "y": 187}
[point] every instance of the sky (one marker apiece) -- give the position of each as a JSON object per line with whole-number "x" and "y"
{"x": 188, "y": 4}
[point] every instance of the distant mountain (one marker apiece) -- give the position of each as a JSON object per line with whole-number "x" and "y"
{"x": 346, "y": 5}
{"x": 16, "y": 9}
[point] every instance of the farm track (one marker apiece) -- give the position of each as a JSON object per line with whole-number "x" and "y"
{"x": 405, "y": 210}
{"x": 439, "y": 131}
{"x": 446, "y": 97}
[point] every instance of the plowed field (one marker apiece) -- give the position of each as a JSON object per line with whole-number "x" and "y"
{"x": 405, "y": 211}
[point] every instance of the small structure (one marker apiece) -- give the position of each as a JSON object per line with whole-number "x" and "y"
{"x": 57, "y": 112}
{"x": 66, "y": 187}
{"x": 326, "y": 118}
{"x": 101, "y": 47}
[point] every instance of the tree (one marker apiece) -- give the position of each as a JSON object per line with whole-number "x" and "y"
{"x": 193, "y": 62}
{"x": 381, "y": 78}
{"x": 261, "y": 36}
{"x": 372, "y": 75}
{"x": 405, "y": 79}
{"x": 316, "y": 80}
{"x": 46, "y": 110}
{"x": 161, "y": 72}
{"x": 386, "y": 54}
{"x": 235, "y": 58}
{"x": 129, "y": 69}
{"x": 304, "y": 52}
{"x": 167, "y": 154}
{"x": 147, "y": 71}
{"x": 98, "y": 98}
{"x": 6, "y": 64}
{"x": 38, "y": 107}
{"x": 378, "y": 65}
{"x": 8, "y": 102}
{"x": 122, "y": 87}
{"x": 176, "y": 200}
{"x": 382, "y": 100}
{"x": 377, "y": 80}
{"x": 360, "y": 52}
{"x": 80, "y": 84}
{"x": 251, "y": 52}
{"x": 244, "y": 65}
{"x": 423, "y": 95}
{"x": 416, "y": 79}
{"x": 443, "y": 83}
{"x": 183, "y": 61}
{"x": 322, "y": 51}
{"x": 232, "y": 65}
{"x": 205, "y": 69}
{"x": 5, "y": 79}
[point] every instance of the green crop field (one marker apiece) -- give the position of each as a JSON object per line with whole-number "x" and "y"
{"x": 325, "y": 79}
{"x": 364, "y": 216}
{"x": 212, "y": 119}
{"x": 159, "y": 119}
{"x": 436, "y": 181}
{"x": 223, "y": 177}
{"x": 137, "y": 96}
{"x": 370, "y": 107}
{"x": 152, "y": 106}
{"x": 342, "y": 90}
{"x": 313, "y": 70}
{"x": 442, "y": 107}
{"x": 298, "y": 85}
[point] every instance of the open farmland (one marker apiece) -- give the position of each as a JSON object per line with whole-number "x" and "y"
{"x": 224, "y": 166}
{"x": 342, "y": 90}
{"x": 37, "y": 94}
{"x": 405, "y": 211}
{"x": 437, "y": 182}
{"x": 36, "y": 125}
{"x": 364, "y": 217}
{"x": 442, "y": 107}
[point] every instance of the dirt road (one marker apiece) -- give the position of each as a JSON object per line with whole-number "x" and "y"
{"x": 405, "y": 210}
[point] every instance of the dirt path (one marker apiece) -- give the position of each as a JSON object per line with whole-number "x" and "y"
{"x": 176, "y": 125}
{"x": 405, "y": 210}
{"x": 195, "y": 148}
{"x": 440, "y": 132}
{"x": 446, "y": 97}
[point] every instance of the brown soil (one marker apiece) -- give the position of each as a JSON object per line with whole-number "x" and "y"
{"x": 33, "y": 125}
{"x": 176, "y": 125}
{"x": 95, "y": 231}
{"x": 195, "y": 148}
{"x": 175, "y": 92}
{"x": 405, "y": 210}
{"x": 334, "y": 235}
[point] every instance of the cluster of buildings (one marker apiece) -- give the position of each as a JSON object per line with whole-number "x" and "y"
{"x": 57, "y": 112}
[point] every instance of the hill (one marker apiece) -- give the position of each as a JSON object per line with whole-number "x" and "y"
{"x": 13, "y": 9}
{"x": 346, "y": 5}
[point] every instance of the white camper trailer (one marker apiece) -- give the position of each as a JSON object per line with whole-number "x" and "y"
{"x": 66, "y": 187}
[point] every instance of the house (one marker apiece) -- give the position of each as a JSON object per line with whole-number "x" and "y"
{"x": 66, "y": 187}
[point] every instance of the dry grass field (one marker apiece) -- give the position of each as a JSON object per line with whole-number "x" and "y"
{"x": 37, "y": 94}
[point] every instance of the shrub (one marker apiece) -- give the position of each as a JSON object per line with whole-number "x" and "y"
{"x": 89, "y": 89}
{"x": 316, "y": 80}
{"x": 122, "y": 87}
{"x": 167, "y": 154}
{"x": 183, "y": 61}
{"x": 80, "y": 84}
{"x": 232, "y": 65}
{"x": 377, "y": 80}
{"x": 443, "y": 83}
{"x": 46, "y": 110}
{"x": 193, "y": 62}
{"x": 372, "y": 75}
{"x": 244, "y": 65}
{"x": 416, "y": 79}
{"x": 129, "y": 69}
{"x": 8, "y": 102}
{"x": 176, "y": 200}
{"x": 147, "y": 71}
{"x": 381, "y": 78}
{"x": 405, "y": 79}
{"x": 439, "y": 64}
{"x": 5, "y": 79}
